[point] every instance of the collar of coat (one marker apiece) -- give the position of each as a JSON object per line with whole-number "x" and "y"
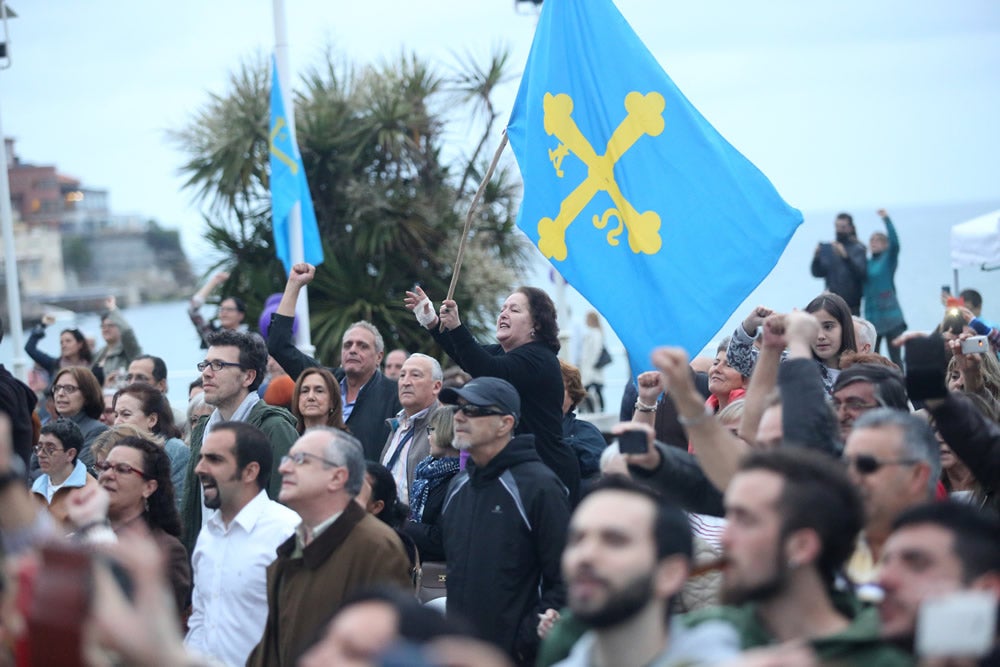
{"x": 319, "y": 550}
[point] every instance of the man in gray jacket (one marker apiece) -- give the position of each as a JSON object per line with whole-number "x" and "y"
{"x": 408, "y": 443}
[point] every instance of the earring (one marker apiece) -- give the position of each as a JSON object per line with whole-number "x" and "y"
{"x": 145, "y": 502}
{"x": 532, "y": 333}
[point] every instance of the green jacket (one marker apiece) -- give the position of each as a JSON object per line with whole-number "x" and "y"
{"x": 279, "y": 426}
{"x": 859, "y": 644}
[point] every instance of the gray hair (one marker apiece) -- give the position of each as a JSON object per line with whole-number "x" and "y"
{"x": 919, "y": 442}
{"x": 370, "y": 328}
{"x": 436, "y": 372}
{"x": 345, "y": 450}
{"x": 866, "y": 333}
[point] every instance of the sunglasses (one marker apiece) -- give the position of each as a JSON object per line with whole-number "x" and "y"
{"x": 119, "y": 468}
{"x": 470, "y": 410}
{"x": 867, "y": 464}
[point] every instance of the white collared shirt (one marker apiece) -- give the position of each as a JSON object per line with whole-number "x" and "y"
{"x": 229, "y": 603}
{"x": 398, "y": 468}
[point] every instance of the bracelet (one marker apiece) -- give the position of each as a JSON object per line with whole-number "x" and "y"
{"x": 642, "y": 407}
{"x": 695, "y": 421}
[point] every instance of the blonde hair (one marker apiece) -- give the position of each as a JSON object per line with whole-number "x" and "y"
{"x": 106, "y": 441}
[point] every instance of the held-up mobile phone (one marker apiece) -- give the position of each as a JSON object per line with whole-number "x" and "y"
{"x": 960, "y": 624}
{"x": 632, "y": 442}
{"x": 946, "y": 289}
{"x": 975, "y": 345}
{"x": 926, "y": 364}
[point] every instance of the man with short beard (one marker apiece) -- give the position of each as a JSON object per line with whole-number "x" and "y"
{"x": 792, "y": 519}
{"x": 628, "y": 553}
{"x": 238, "y": 542}
{"x": 843, "y": 264}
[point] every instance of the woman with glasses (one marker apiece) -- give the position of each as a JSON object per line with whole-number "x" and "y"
{"x": 528, "y": 337}
{"x": 316, "y": 400}
{"x": 430, "y": 484}
{"x": 62, "y": 470}
{"x": 77, "y": 397}
{"x": 145, "y": 406}
{"x": 136, "y": 475}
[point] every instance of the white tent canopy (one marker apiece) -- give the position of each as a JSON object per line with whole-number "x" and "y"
{"x": 977, "y": 242}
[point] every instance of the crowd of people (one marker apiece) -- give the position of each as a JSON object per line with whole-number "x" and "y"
{"x": 796, "y": 499}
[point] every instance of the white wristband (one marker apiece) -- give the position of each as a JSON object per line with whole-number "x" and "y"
{"x": 425, "y": 313}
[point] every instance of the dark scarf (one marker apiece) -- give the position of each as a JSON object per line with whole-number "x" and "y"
{"x": 429, "y": 474}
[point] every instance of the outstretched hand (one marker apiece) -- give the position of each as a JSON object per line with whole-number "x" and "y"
{"x": 418, "y": 303}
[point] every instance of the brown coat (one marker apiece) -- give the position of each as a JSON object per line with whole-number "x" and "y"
{"x": 357, "y": 551}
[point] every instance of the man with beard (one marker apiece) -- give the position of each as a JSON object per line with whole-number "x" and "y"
{"x": 238, "y": 542}
{"x": 843, "y": 263}
{"x": 937, "y": 549}
{"x": 792, "y": 518}
{"x": 628, "y": 553}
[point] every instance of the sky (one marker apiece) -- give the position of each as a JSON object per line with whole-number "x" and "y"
{"x": 890, "y": 103}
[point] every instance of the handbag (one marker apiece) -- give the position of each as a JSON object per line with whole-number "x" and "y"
{"x": 604, "y": 359}
{"x": 433, "y": 582}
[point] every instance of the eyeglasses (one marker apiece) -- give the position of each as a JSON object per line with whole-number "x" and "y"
{"x": 120, "y": 469}
{"x": 48, "y": 451}
{"x": 854, "y": 405}
{"x": 299, "y": 458}
{"x": 866, "y": 464}
{"x": 216, "y": 365}
{"x": 470, "y": 410}
{"x": 65, "y": 388}
{"x": 138, "y": 377}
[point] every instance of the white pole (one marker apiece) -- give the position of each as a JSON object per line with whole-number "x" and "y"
{"x": 10, "y": 252}
{"x": 303, "y": 336}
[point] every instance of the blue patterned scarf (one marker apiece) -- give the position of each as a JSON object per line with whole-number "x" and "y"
{"x": 429, "y": 474}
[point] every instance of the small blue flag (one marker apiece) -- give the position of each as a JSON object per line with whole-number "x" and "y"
{"x": 289, "y": 185}
{"x": 631, "y": 194}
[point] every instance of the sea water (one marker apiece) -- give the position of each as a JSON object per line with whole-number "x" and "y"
{"x": 164, "y": 329}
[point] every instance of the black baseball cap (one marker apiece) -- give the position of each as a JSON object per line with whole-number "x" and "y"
{"x": 486, "y": 392}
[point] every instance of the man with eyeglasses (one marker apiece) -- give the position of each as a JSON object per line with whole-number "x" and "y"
{"x": 503, "y": 523}
{"x": 338, "y": 549}
{"x": 231, "y": 372}
{"x": 864, "y": 387}
{"x": 58, "y": 452}
{"x": 895, "y": 461}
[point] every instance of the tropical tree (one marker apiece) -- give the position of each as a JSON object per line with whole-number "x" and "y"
{"x": 388, "y": 206}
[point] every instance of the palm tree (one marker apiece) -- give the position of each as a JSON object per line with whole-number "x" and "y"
{"x": 388, "y": 207}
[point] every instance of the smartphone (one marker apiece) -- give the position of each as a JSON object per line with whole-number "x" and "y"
{"x": 926, "y": 364}
{"x": 959, "y": 624}
{"x": 975, "y": 345}
{"x": 946, "y": 289}
{"x": 632, "y": 442}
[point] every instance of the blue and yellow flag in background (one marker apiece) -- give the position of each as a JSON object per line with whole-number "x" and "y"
{"x": 632, "y": 195}
{"x": 288, "y": 185}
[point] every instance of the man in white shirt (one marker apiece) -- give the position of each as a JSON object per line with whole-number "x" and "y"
{"x": 238, "y": 542}
{"x": 419, "y": 384}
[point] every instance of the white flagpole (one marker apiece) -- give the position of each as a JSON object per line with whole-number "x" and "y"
{"x": 303, "y": 337}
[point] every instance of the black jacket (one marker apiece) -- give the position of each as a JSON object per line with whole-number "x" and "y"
{"x": 844, "y": 276}
{"x": 18, "y": 401}
{"x": 377, "y": 401}
{"x": 504, "y": 526}
{"x": 534, "y": 371}
{"x": 975, "y": 439}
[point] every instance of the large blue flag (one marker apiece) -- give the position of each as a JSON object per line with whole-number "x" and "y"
{"x": 289, "y": 185}
{"x": 632, "y": 195}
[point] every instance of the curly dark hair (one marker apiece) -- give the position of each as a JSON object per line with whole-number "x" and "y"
{"x": 162, "y": 510}
{"x": 85, "y": 352}
{"x": 253, "y": 351}
{"x": 543, "y": 314}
